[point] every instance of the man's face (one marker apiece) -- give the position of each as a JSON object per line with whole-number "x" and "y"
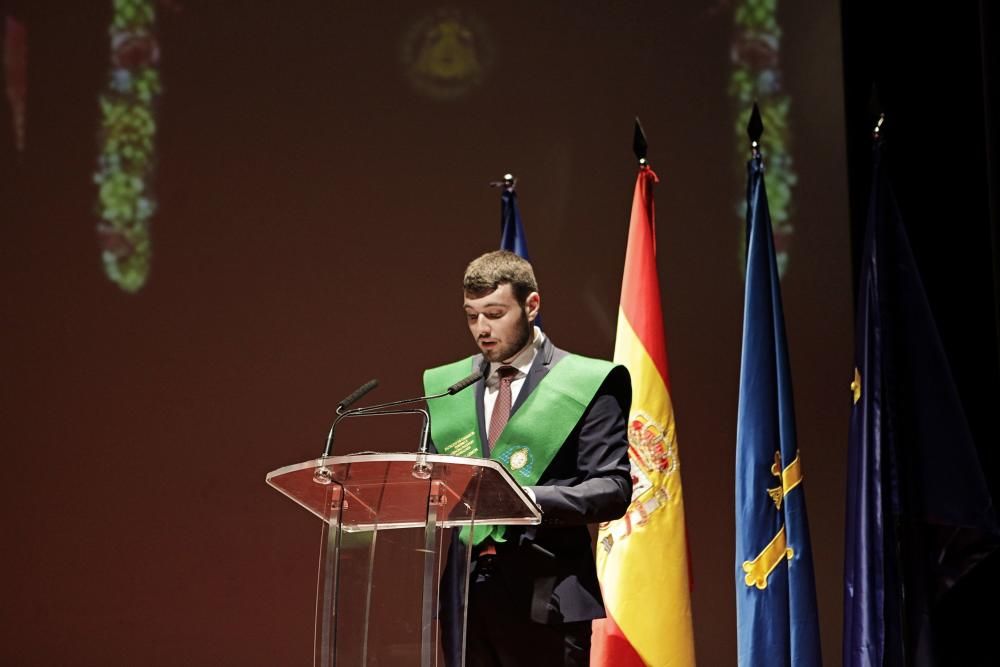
{"x": 500, "y": 325}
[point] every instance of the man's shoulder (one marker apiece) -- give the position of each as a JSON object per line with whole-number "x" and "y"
{"x": 607, "y": 376}
{"x": 553, "y": 354}
{"x": 586, "y": 364}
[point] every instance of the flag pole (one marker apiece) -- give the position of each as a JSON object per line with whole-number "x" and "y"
{"x": 639, "y": 145}
{"x": 755, "y": 128}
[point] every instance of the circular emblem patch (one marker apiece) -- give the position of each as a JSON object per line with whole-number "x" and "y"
{"x": 519, "y": 458}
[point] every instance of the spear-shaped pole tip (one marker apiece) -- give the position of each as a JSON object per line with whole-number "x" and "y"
{"x": 639, "y": 145}
{"x": 875, "y": 111}
{"x": 877, "y": 131}
{"x": 755, "y": 128}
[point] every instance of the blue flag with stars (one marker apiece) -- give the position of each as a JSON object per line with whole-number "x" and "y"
{"x": 919, "y": 514}
{"x": 776, "y": 615}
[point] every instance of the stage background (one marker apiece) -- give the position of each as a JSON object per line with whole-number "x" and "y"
{"x": 315, "y": 213}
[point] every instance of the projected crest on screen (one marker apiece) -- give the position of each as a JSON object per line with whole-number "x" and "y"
{"x": 446, "y": 54}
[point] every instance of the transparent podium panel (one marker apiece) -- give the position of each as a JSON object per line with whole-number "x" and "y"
{"x": 393, "y": 488}
{"x": 394, "y": 565}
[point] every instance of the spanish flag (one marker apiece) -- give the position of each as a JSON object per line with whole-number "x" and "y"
{"x": 642, "y": 558}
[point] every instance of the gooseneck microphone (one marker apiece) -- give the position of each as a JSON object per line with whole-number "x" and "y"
{"x": 380, "y": 409}
{"x": 464, "y": 382}
{"x": 353, "y": 397}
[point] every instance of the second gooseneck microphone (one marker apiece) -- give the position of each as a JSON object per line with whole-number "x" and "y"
{"x": 382, "y": 408}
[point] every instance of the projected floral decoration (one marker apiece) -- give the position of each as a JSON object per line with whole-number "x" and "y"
{"x": 125, "y": 201}
{"x": 15, "y": 62}
{"x": 757, "y": 76}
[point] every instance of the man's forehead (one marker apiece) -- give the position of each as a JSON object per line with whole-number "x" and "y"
{"x": 501, "y": 296}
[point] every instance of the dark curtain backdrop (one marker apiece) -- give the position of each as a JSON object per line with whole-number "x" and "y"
{"x": 315, "y": 216}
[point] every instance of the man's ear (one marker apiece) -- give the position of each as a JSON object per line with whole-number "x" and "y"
{"x": 532, "y": 305}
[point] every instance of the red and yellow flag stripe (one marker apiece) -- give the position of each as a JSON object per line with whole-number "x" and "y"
{"x": 642, "y": 558}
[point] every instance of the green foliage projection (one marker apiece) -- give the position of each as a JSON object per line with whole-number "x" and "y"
{"x": 125, "y": 203}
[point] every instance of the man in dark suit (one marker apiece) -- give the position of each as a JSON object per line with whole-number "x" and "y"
{"x": 557, "y": 421}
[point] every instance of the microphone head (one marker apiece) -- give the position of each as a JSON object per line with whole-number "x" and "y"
{"x": 358, "y": 393}
{"x": 467, "y": 382}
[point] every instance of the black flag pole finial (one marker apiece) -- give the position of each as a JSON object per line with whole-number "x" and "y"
{"x": 755, "y": 128}
{"x": 639, "y": 145}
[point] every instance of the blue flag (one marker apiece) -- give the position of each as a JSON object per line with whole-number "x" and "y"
{"x": 512, "y": 236}
{"x": 775, "y": 593}
{"x": 919, "y": 514}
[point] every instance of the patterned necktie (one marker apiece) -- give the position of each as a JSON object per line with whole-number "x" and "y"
{"x": 501, "y": 409}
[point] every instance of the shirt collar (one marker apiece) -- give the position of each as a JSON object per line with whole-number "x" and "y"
{"x": 522, "y": 360}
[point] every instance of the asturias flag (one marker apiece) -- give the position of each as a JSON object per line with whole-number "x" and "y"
{"x": 775, "y": 593}
{"x": 642, "y": 558}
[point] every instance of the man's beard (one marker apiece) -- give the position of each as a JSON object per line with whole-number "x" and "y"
{"x": 507, "y": 351}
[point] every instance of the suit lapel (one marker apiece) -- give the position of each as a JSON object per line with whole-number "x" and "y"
{"x": 539, "y": 368}
{"x": 480, "y": 362}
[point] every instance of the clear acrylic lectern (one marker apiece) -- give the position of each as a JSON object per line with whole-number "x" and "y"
{"x": 387, "y": 530}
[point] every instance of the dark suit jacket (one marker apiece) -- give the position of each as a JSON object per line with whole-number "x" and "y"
{"x": 549, "y": 569}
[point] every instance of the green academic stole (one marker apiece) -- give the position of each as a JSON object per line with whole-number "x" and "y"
{"x": 534, "y": 433}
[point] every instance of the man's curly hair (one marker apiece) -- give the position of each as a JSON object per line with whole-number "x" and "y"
{"x": 500, "y": 267}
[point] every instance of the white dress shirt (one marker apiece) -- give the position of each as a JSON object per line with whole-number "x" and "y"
{"x": 522, "y": 362}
